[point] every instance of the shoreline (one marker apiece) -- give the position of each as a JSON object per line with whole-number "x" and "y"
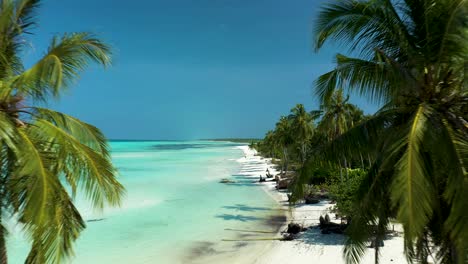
{"x": 242, "y": 246}
{"x": 311, "y": 246}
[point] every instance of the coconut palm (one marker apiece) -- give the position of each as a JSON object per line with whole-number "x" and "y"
{"x": 283, "y": 138}
{"x": 269, "y": 144}
{"x": 337, "y": 115}
{"x": 301, "y": 128}
{"x": 47, "y": 156}
{"x": 410, "y": 56}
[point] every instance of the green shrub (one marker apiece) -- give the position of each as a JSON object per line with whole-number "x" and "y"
{"x": 343, "y": 192}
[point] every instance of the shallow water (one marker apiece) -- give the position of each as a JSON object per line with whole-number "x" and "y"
{"x": 175, "y": 210}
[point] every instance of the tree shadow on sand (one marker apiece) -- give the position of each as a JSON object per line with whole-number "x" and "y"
{"x": 242, "y": 175}
{"x": 252, "y": 170}
{"x": 245, "y": 208}
{"x": 199, "y": 250}
{"x": 313, "y": 236}
{"x": 246, "y": 183}
{"x": 241, "y": 218}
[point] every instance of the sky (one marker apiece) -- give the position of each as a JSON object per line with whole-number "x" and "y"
{"x": 185, "y": 69}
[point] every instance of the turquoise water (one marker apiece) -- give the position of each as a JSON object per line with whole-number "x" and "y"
{"x": 175, "y": 209}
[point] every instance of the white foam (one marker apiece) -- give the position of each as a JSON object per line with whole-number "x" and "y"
{"x": 128, "y": 204}
{"x": 129, "y": 155}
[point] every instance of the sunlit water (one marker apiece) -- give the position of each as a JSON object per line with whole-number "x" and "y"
{"x": 175, "y": 209}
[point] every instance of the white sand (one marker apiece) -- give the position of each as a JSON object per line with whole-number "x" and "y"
{"x": 312, "y": 246}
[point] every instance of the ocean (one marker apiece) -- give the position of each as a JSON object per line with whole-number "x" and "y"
{"x": 175, "y": 210}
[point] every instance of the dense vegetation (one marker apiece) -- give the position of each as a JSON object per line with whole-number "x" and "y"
{"x": 44, "y": 153}
{"x": 410, "y": 57}
{"x": 235, "y": 140}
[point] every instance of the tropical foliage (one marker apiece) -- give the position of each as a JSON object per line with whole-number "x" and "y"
{"x": 283, "y": 139}
{"x": 302, "y": 128}
{"x": 46, "y": 157}
{"x": 344, "y": 192}
{"x": 291, "y": 139}
{"x": 338, "y": 115}
{"x": 410, "y": 57}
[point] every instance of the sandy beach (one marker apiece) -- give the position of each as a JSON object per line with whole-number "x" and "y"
{"x": 311, "y": 246}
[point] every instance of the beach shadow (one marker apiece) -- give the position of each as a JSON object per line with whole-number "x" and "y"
{"x": 241, "y": 218}
{"x": 253, "y": 170}
{"x": 276, "y": 220}
{"x": 242, "y": 175}
{"x": 243, "y": 236}
{"x": 249, "y": 183}
{"x": 241, "y": 245}
{"x": 245, "y": 208}
{"x": 200, "y": 249}
{"x": 321, "y": 204}
{"x": 313, "y": 236}
{"x": 95, "y": 220}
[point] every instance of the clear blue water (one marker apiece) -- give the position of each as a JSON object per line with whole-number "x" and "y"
{"x": 175, "y": 209}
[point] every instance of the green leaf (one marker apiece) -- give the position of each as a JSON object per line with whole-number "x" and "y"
{"x": 67, "y": 57}
{"x": 83, "y": 165}
{"x": 411, "y": 191}
{"x": 81, "y": 131}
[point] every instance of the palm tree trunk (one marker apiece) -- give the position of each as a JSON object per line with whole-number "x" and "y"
{"x": 285, "y": 156}
{"x": 3, "y": 231}
{"x": 346, "y": 167}
{"x": 376, "y": 255}
{"x": 3, "y": 251}
{"x": 454, "y": 254}
{"x": 303, "y": 152}
{"x": 341, "y": 174}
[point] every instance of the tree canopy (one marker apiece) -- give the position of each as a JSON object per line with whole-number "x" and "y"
{"x": 44, "y": 153}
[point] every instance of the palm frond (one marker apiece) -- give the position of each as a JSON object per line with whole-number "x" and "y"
{"x": 53, "y": 242}
{"x": 360, "y": 230}
{"x": 367, "y": 25}
{"x": 26, "y": 15}
{"x": 374, "y": 79}
{"x": 411, "y": 189}
{"x": 7, "y": 130}
{"x": 326, "y": 85}
{"x": 81, "y": 131}
{"x": 10, "y": 43}
{"x": 81, "y": 164}
{"x": 66, "y": 58}
{"x": 34, "y": 178}
{"x": 453, "y": 147}
{"x": 363, "y": 139}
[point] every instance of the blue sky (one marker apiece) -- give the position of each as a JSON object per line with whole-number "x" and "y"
{"x": 187, "y": 69}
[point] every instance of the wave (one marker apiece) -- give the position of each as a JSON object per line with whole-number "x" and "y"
{"x": 129, "y": 155}
{"x": 89, "y": 213}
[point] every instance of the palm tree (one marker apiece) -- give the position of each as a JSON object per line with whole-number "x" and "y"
{"x": 302, "y": 129}
{"x": 283, "y": 138}
{"x": 269, "y": 144}
{"x": 42, "y": 150}
{"x": 337, "y": 115}
{"x": 411, "y": 57}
